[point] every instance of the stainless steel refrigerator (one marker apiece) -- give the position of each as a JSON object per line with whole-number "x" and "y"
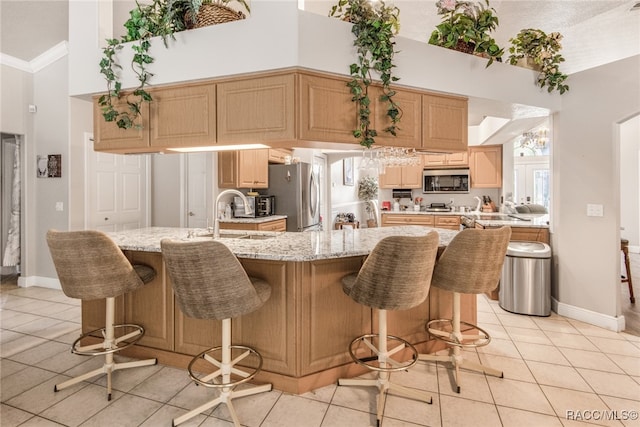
{"x": 297, "y": 192}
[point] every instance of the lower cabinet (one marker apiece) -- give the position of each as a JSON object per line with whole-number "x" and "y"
{"x": 450, "y": 222}
{"x": 389, "y": 220}
{"x": 275, "y": 225}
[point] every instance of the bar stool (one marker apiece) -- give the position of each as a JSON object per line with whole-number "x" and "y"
{"x": 624, "y": 246}
{"x": 395, "y": 276}
{"x": 210, "y": 283}
{"x": 91, "y": 266}
{"x": 471, "y": 264}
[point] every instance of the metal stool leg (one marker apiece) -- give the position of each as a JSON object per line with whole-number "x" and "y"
{"x": 110, "y": 346}
{"x": 386, "y": 366}
{"x": 456, "y": 339}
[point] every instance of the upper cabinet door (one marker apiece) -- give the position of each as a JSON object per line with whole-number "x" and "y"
{"x": 183, "y": 116}
{"x": 326, "y": 110}
{"x": 485, "y": 165}
{"x": 409, "y": 132}
{"x": 109, "y": 137}
{"x": 444, "y": 123}
{"x": 257, "y": 109}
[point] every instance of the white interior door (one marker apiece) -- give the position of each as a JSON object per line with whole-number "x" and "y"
{"x": 199, "y": 188}
{"x": 532, "y": 180}
{"x": 116, "y": 191}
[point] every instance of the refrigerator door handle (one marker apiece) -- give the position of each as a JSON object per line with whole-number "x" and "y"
{"x": 313, "y": 194}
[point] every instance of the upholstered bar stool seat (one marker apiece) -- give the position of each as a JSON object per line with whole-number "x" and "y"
{"x": 91, "y": 266}
{"x": 471, "y": 264}
{"x": 624, "y": 247}
{"x": 395, "y": 276}
{"x": 210, "y": 283}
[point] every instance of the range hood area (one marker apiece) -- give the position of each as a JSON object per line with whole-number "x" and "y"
{"x": 305, "y": 41}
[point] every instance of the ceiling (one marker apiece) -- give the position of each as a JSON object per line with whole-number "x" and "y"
{"x": 595, "y": 31}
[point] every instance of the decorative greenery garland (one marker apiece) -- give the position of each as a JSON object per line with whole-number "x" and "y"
{"x": 146, "y": 21}
{"x": 374, "y": 28}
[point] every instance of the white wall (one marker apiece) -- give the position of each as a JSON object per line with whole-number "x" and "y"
{"x": 50, "y": 136}
{"x": 630, "y": 182}
{"x": 586, "y": 170}
{"x": 166, "y": 187}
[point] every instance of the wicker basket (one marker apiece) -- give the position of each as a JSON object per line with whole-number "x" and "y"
{"x": 211, "y": 14}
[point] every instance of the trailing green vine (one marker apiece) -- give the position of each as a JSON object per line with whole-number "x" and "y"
{"x": 374, "y": 28}
{"x": 145, "y": 22}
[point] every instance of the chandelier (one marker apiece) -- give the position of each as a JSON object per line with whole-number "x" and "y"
{"x": 379, "y": 158}
{"x": 534, "y": 140}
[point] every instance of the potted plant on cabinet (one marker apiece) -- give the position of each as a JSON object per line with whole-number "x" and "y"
{"x": 374, "y": 26}
{"x": 368, "y": 192}
{"x": 465, "y": 27}
{"x": 541, "y": 52}
{"x": 201, "y": 13}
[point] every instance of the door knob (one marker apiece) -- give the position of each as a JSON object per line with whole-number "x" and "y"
{"x": 191, "y": 214}
{"x": 106, "y": 218}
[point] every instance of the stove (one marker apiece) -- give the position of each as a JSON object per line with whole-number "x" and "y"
{"x": 438, "y": 207}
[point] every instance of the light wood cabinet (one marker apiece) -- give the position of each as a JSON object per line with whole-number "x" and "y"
{"x": 283, "y": 109}
{"x": 485, "y": 166}
{"x": 401, "y": 177}
{"x": 243, "y": 169}
{"x": 409, "y": 132}
{"x": 151, "y": 306}
{"x": 390, "y": 219}
{"x": 107, "y": 136}
{"x": 450, "y": 222}
{"x": 183, "y": 116}
{"x": 459, "y": 159}
{"x": 326, "y": 110}
{"x": 444, "y": 123}
{"x": 257, "y": 109}
{"x": 278, "y": 155}
{"x": 275, "y": 225}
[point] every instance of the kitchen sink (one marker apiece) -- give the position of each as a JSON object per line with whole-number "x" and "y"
{"x": 239, "y": 236}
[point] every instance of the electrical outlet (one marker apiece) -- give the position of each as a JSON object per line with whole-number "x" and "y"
{"x": 595, "y": 210}
{"x": 59, "y": 206}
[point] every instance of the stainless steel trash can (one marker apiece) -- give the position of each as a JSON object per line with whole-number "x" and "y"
{"x": 525, "y": 285}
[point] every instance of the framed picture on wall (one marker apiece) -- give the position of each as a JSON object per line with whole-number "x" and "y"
{"x": 42, "y": 166}
{"x": 347, "y": 171}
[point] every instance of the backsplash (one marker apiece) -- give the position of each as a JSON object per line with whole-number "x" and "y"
{"x": 459, "y": 199}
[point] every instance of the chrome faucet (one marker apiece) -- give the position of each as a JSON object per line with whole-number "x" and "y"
{"x": 216, "y": 220}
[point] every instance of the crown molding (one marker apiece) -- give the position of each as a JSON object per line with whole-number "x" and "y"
{"x": 38, "y": 63}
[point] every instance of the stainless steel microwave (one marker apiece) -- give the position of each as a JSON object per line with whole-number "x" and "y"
{"x": 435, "y": 181}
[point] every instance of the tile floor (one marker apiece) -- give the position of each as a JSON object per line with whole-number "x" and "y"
{"x": 554, "y": 369}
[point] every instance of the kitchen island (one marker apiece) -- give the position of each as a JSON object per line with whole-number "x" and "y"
{"x": 303, "y": 330}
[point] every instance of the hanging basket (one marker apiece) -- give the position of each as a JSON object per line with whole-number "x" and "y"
{"x": 528, "y": 62}
{"x": 212, "y": 14}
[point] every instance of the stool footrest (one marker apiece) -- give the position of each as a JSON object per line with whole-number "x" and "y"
{"x": 91, "y": 350}
{"x": 395, "y": 365}
{"x": 206, "y": 380}
{"x": 436, "y": 329}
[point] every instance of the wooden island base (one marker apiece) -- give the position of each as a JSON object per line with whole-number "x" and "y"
{"x": 302, "y": 331}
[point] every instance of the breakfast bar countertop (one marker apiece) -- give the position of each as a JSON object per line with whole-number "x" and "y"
{"x": 279, "y": 246}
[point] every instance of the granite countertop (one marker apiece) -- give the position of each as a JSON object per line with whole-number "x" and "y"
{"x": 279, "y": 246}
{"x": 258, "y": 220}
{"x": 489, "y": 219}
{"x": 517, "y": 220}
{"x": 412, "y": 212}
